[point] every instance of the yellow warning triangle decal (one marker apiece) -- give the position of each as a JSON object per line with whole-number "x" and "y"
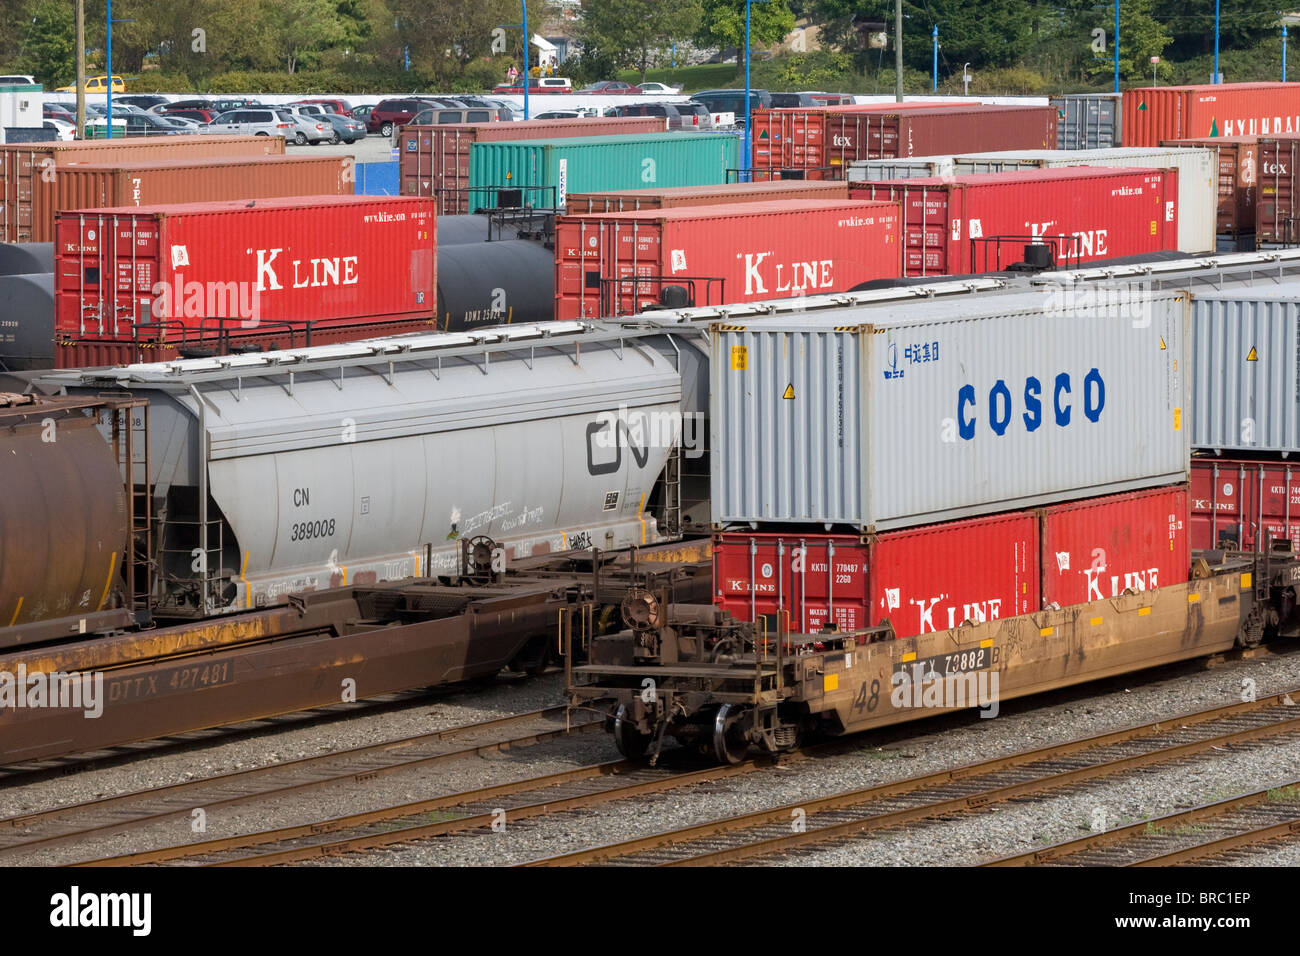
{"x": 789, "y": 391}
{"x": 1163, "y": 347}
{"x": 1253, "y": 356}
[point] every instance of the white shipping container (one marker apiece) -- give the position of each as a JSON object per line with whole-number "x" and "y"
{"x": 880, "y": 170}
{"x": 1246, "y": 369}
{"x": 860, "y": 417}
{"x": 1198, "y": 178}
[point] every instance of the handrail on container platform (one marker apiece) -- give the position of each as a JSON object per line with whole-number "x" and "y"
{"x": 1074, "y": 245}
{"x": 612, "y": 292}
{"x": 468, "y": 192}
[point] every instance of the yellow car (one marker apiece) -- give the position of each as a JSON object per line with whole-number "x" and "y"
{"x": 96, "y": 84}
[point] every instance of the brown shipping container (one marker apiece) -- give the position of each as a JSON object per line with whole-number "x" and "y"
{"x": 1275, "y": 203}
{"x": 629, "y": 200}
{"x": 825, "y": 141}
{"x": 434, "y": 160}
{"x": 22, "y": 163}
{"x": 1238, "y": 175}
{"x": 94, "y": 186}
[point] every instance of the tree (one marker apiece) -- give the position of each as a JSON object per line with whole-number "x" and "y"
{"x": 303, "y": 28}
{"x": 723, "y": 24}
{"x": 1141, "y": 36}
{"x": 49, "y": 50}
{"x": 626, "y": 32}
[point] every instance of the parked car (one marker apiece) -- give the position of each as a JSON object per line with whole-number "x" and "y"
{"x": 438, "y": 116}
{"x": 254, "y": 122}
{"x": 331, "y": 106}
{"x": 658, "y": 88}
{"x": 62, "y": 128}
{"x": 388, "y": 115}
{"x": 96, "y": 84}
{"x": 538, "y": 84}
{"x": 59, "y": 108}
{"x": 346, "y": 129}
{"x": 310, "y": 124}
{"x": 146, "y": 124}
{"x": 679, "y": 115}
{"x": 610, "y": 86}
{"x": 362, "y": 113}
{"x": 567, "y": 114}
{"x": 833, "y": 99}
{"x": 733, "y": 101}
{"x": 181, "y": 123}
{"x": 146, "y": 101}
{"x": 198, "y": 116}
{"x": 17, "y": 79}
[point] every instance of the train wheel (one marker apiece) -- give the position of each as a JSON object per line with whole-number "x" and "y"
{"x": 730, "y": 745}
{"x": 631, "y": 743}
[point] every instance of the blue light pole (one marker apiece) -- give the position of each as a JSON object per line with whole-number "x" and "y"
{"x": 524, "y": 4}
{"x": 934, "y": 83}
{"x": 1116, "y": 46}
{"x": 1216, "y": 41}
{"x": 745, "y": 143}
{"x": 1284, "y": 53}
{"x": 108, "y": 55}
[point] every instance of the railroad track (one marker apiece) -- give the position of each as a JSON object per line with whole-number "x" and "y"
{"x": 767, "y": 834}
{"x": 1219, "y": 832}
{"x": 20, "y": 773}
{"x": 30, "y": 832}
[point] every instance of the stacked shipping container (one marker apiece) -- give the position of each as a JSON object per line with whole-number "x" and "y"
{"x": 23, "y": 165}
{"x": 870, "y": 463}
{"x": 546, "y": 170}
{"x": 168, "y": 182}
{"x": 823, "y": 142}
{"x": 720, "y": 254}
{"x": 136, "y": 284}
{"x": 981, "y": 223}
{"x": 434, "y": 160}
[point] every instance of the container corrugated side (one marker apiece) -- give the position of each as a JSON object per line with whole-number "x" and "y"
{"x": 1198, "y": 197}
{"x": 92, "y": 186}
{"x": 1238, "y": 179}
{"x": 742, "y": 252}
{"x": 919, "y": 580}
{"x": 434, "y": 160}
{"x": 600, "y": 163}
{"x": 314, "y": 262}
{"x": 1151, "y": 115}
{"x": 1101, "y": 547}
{"x": 21, "y": 164}
{"x": 862, "y": 419}
{"x": 1245, "y": 369}
{"x": 1240, "y": 504}
{"x": 1087, "y": 120}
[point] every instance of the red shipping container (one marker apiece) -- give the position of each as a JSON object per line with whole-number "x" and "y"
{"x": 824, "y": 141}
{"x": 962, "y": 224}
{"x": 1239, "y": 505}
{"x": 189, "y": 273}
{"x": 1098, "y": 548}
{"x": 434, "y": 160}
{"x": 1152, "y": 115}
{"x": 921, "y": 580}
{"x": 719, "y": 254}
{"x": 630, "y": 200}
{"x": 1238, "y": 180}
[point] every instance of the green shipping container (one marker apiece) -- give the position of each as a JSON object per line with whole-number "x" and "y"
{"x": 598, "y": 164}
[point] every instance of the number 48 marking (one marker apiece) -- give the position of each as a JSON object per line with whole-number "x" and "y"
{"x": 867, "y": 703}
